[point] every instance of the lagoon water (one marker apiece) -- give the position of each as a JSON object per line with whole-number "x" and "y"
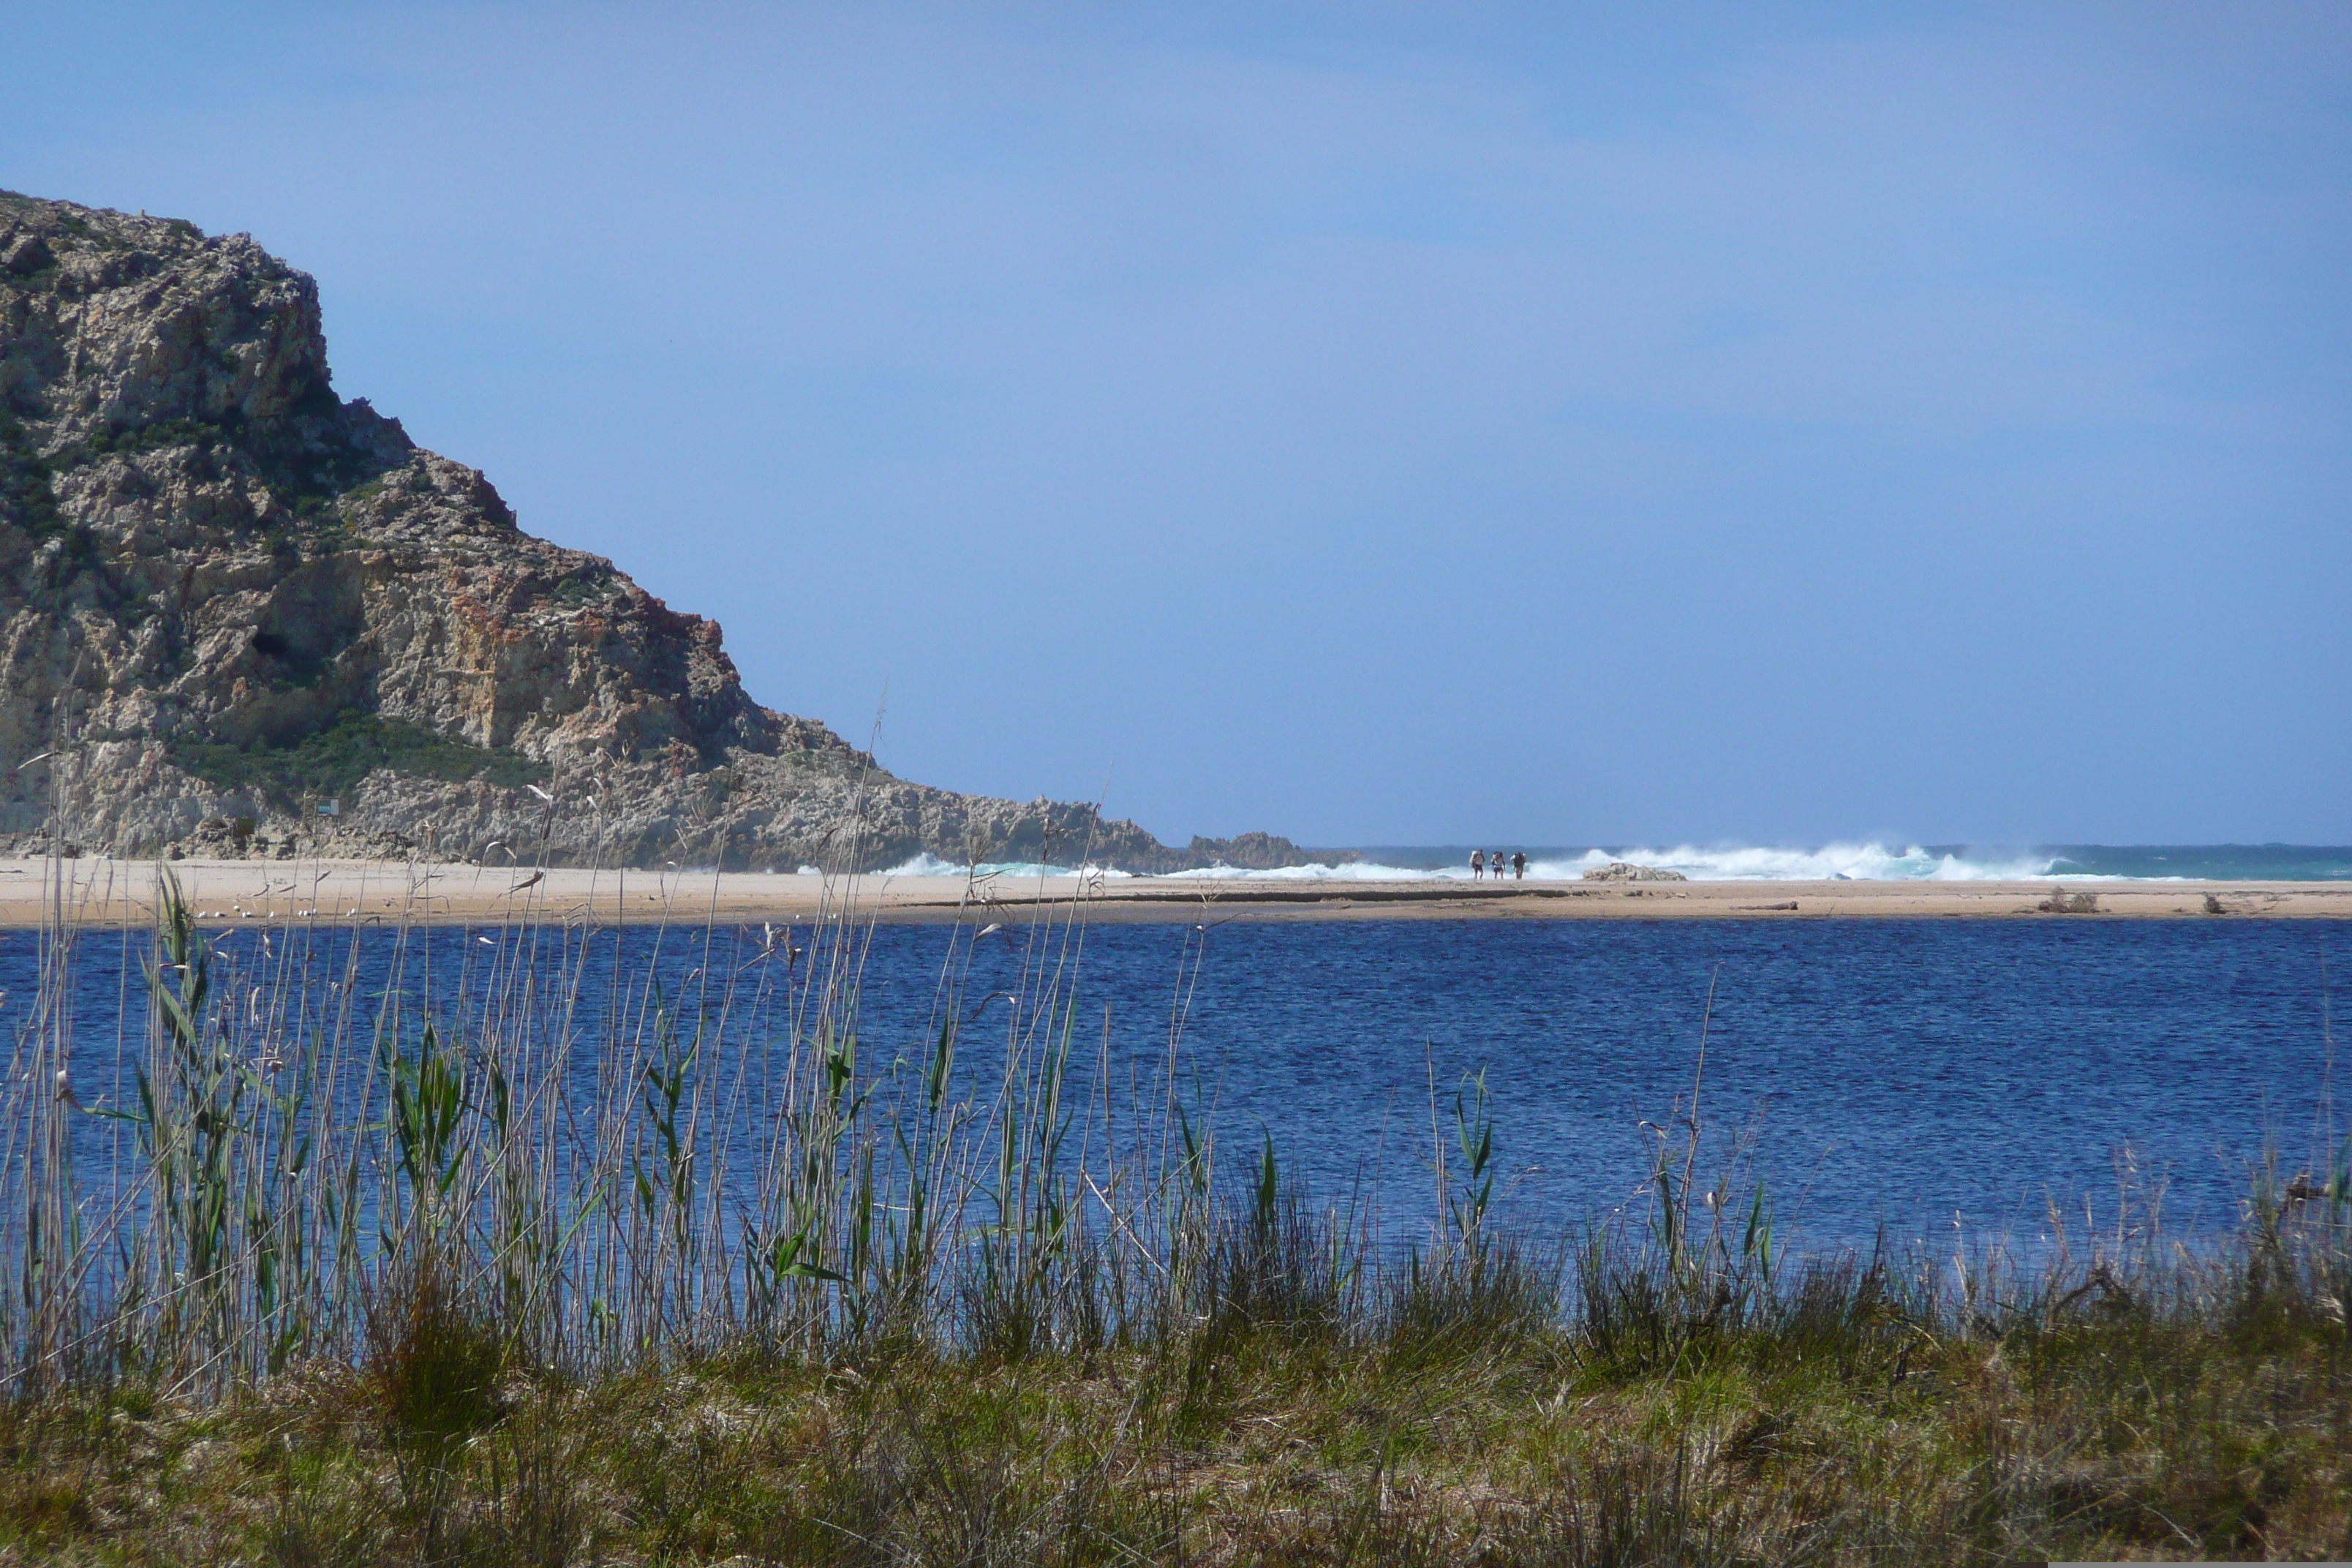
{"x": 1893, "y": 1073}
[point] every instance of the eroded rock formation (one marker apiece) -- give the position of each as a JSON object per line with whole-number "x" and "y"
{"x": 1626, "y": 872}
{"x": 242, "y": 615}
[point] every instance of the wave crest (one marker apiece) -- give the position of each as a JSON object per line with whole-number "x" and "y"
{"x": 1866, "y": 861}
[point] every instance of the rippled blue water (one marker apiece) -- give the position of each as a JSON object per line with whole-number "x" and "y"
{"x": 1896, "y": 1071}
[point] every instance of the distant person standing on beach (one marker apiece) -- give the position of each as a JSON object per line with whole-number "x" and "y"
{"x": 1519, "y": 864}
{"x": 1477, "y": 865}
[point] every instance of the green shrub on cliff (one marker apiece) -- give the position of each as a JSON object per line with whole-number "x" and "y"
{"x": 330, "y": 761}
{"x": 27, "y": 498}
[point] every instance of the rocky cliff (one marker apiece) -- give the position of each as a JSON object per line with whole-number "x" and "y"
{"x": 241, "y": 615}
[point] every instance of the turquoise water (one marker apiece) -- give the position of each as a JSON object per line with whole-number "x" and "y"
{"x": 2209, "y": 862}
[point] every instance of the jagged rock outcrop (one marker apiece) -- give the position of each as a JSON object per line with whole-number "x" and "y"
{"x": 242, "y": 615}
{"x": 1626, "y": 872}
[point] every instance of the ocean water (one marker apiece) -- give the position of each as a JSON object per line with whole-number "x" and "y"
{"x": 1895, "y": 1075}
{"x": 1866, "y": 860}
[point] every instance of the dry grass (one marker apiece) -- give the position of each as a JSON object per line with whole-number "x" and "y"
{"x": 1833, "y": 1426}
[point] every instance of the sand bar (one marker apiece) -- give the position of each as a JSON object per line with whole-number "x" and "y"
{"x": 97, "y": 892}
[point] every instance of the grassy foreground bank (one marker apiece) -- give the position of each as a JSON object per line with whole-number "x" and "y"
{"x": 464, "y": 1271}
{"x": 1453, "y": 1422}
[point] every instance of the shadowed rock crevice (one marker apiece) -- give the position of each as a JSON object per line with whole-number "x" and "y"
{"x": 228, "y": 596}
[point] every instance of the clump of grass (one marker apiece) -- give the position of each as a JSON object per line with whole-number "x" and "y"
{"x": 432, "y": 1371}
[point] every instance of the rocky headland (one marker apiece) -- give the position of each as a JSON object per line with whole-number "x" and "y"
{"x": 240, "y": 614}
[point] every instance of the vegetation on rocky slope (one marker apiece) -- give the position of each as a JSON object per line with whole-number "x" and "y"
{"x": 328, "y": 763}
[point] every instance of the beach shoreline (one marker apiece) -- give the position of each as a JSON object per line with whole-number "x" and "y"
{"x": 89, "y": 892}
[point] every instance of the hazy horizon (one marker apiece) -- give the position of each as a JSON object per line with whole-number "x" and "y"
{"x": 1920, "y": 425}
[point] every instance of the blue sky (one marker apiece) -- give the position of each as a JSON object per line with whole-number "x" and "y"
{"x": 1373, "y": 423}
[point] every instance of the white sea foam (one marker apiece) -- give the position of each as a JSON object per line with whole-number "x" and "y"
{"x": 1345, "y": 871}
{"x": 926, "y": 864}
{"x": 1862, "y": 862}
{"x": 1867, "y": 862}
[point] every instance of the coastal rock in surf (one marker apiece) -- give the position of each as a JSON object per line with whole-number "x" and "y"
{"x": 1626, "y": 872}
{"x": 247, "y": 616}
{"x": 1260, "y": 852}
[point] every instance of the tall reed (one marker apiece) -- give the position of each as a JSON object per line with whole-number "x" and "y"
{"x": 318, "y": 1126}
{"x": 326, "y": 1121}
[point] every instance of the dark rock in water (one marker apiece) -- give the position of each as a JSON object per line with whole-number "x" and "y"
{"x": 1626, "y": 872}
{"x": 241, "y": 611}
{"x": 1256, "y": 852}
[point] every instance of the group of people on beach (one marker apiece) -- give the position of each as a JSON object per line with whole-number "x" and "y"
{"x": 1480, "y": 862}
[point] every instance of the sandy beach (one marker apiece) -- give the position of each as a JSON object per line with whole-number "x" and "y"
{"x": 230, "y": 892}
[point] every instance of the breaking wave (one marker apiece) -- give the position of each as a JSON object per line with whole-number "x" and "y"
{"x": 1857, "y": 862}
{"x": 1861, "y": 860}
{"x": 1867, "y": 862}
{"x": 926, "y": 864}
